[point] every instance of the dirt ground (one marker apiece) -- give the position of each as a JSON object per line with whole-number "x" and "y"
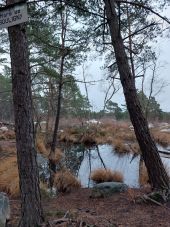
{"x": 120, "y": 210}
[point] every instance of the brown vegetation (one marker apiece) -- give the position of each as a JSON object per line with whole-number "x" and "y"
{"x": 162, "y": 138}
{"x": 143, "y": 174}
{"x": 7, "y": 135}
{"x": 118, "y": 134}
{"x": 56, "y": 157}
{"x": 40, "y": 145}
{"x": 109, "y": 132}
{"x": 9, "y": 180}
{"x": 65, "y": 181}
{"x": 120, "y": 146}
{"x": 106, "y": 175}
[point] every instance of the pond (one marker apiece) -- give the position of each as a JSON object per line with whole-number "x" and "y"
{"x": 82, "y": 161}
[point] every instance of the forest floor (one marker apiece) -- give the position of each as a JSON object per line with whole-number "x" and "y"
{"x": 119, "y": 210}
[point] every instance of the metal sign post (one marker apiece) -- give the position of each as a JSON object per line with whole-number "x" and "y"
{"x": 13, "y": 15}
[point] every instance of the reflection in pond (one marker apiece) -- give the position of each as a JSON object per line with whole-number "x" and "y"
{"x": 82, "y": 161}
{"x": 106, "y": 157}
{"x": 74, "y": 156}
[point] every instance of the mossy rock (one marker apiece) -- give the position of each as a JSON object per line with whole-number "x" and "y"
{"x": 107, "y": 189}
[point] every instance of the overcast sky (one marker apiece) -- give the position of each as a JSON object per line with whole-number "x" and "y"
{"x": 94, "y": 72}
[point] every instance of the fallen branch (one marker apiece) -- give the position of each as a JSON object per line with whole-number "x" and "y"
{"x": 146, "y": 198}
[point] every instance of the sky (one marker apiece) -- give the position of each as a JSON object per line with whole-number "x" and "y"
{"x": 94, "y": 72}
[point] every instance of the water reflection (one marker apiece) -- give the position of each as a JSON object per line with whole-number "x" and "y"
{"x": 111, "y": 160}
{"x": 82, "y": 161}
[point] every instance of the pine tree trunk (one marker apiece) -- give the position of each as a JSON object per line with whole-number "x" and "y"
{"x": 157, "y": 174}
{"x": 31, "y": 210}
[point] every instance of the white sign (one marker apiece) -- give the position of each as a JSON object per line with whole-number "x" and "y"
{"x": 13, "y": 15}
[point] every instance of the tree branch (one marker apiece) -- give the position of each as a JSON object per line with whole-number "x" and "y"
{"x": 144, "y": 7}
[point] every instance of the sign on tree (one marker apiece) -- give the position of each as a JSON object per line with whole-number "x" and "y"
{"x": 13, "y": 15}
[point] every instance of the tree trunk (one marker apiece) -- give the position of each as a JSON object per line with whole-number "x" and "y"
{"x": 52, "y": 164}
{"x": 31, "y": 209}
{"x": 157, "y": 174}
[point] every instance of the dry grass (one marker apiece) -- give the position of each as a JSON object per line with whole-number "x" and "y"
{"x": 143, "y": 175}
{"x": 8, "y": 135}
{"x": 109, "y": 132}
{"x": 41, "y": 147}
{"x": 9, "y": 180}
{"x": 102, "y": 175}
{"x": 56, "y": 157}
{"x": 134, "y": 147}
{"x": 2, "y": 136}
{"x": 69, "y": 135}
{"x": 65, "y": 181}
{"x": 88, "y": 139}
{"x": 120, "y": 146}
{"x": 162, "y": 138}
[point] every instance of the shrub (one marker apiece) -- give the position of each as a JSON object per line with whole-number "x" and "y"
{"x": 106, "y": 175}
{"x": 9, "y": 180}
{"x": 65, "y": 181}
{"x": 120, "y": 146}
{"x": 56, "y": 157}
{"x": 41, "y": 147}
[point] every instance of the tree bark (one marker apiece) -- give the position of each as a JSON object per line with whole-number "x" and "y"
{"x": 31, "y": 209}
{"x": 157, "y": 174}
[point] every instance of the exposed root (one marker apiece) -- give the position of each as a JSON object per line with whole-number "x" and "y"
{"x": 157, "y": 197}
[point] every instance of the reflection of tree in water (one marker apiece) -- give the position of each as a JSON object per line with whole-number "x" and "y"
{"x": 74, "y": 156}
{"x": 90, "y": 159}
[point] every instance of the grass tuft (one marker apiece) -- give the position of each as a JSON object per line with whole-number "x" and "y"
{"x": 65, "y": 181}
{"x": 41, "y": 147}
{"x": 102, "y": 175}
{"x": 56, "y": 157}
{"x": 9, "y": 180}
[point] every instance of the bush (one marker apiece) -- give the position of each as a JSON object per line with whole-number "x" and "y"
{"x": 65, "y": 181}
{"x": 106, "y": 175}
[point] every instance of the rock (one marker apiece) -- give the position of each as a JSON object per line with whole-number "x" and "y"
{"x": 107, "y": 189}
{"x": 4, "y": 209}
{"x": 3, "y": 129}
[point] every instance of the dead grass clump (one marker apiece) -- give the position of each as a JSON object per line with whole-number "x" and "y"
{"x": 10, "y": 134}
{"x": 126, "y": 135}
{"x": 134, "y": 147}
{"x": 88, "y": 139}
{"x": 106, "y": 175}
{"x": 162, "y": 138}
{"x": 41, "y": 147}
{"x": 56, "y": 157}
{"x": 65, "y": 181}
{"x": 7, "y": 149}
{"x": 2, "y": 136}
{"x": 143, "y": 173}
{"x": 120, "y": 146}
{"x": 67, "y": 136}
{"x": 9, "y": 179}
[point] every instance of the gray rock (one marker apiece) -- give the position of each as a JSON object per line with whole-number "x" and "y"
{"x": 107, "y": 189}
{"x": 4, "y": 209}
